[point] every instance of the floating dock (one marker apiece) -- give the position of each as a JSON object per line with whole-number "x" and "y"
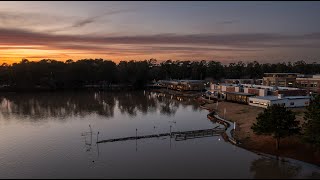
{"x": 184, "y": 135}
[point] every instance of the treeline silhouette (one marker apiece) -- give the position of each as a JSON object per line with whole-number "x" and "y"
{"x": 54, "y": 75}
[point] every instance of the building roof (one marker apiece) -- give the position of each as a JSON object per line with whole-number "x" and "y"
{"x": 297, "y": 97}
{"x": 243, "y": 79}
{"x": 313, "y": 78}
{"x": 273, "y": 98}
{"x": 187, "y": 80}
{"x": 270, "y": 98}
{"x": 227, "y": 84}
{"x": 240, "y": 93}
{"x": 174, "y": 81}
{"x": 281, "y": 73}
{"x": 260, "y": 86}
{"x": 191, "y": 81}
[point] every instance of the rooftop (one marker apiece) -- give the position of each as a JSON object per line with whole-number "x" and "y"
{"x": 282, "y": 73}
{"x": 240, "y": 93}
{"x": 261, "y": 86}
{"x": 181, "y": 81}
{"x": 226, "y": 84}
{"x": 297, "y": 97}
{"x": 272, "y": 98}
{"x": 191, "y": 81}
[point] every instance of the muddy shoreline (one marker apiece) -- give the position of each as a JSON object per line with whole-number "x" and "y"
{"x": 245, "y": 116}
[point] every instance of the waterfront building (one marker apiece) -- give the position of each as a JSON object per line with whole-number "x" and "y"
{"x": 241, "y": 92}
{"x": 287, "y": 101}
{"x": 183, "y": 85}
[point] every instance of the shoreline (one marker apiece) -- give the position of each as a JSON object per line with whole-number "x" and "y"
{"x": 244, "y": 116}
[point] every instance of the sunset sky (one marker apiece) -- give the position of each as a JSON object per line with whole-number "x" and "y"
{"x": 224, "y": 31}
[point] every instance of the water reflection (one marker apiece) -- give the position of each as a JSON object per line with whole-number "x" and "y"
{"x": 62, "y": 105}
{"x": 266, "y": 168}
{"x": 69, "y": 150}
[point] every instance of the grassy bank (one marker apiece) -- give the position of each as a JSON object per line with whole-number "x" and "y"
{"x": 245, "y": 116}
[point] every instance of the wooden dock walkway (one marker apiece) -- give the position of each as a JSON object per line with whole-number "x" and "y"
{"x": 184, "y": 135}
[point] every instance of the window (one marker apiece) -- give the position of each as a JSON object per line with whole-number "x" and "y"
{"x": 251, "y": 101}
{"x": 314, "y": 84}
{"x": 291, "y": 103}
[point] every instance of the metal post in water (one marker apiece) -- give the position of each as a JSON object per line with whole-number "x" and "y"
{"x": 136, "y": 140}
{"x": 97, "y": 136}
{"x": 90, "y": 134}
{"x": 170, "y": 136}
{"x": 136, "y": 133}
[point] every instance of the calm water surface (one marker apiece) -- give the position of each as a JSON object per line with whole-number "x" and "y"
{"x": 46, "y": 135}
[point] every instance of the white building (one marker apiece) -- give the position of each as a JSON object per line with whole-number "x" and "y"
{"x": 288, "y": 101}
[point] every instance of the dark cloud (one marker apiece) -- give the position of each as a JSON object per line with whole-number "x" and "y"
{"x": 162, "y": 43}
{"x": 28, "y": 20}
{"x": 14, "y": 19}
{"x": 89, "y": 20}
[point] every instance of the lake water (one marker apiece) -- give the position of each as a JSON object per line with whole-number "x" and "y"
{"x": 47, "y": 135}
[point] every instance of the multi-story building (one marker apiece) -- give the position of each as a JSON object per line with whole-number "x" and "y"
{"x": 241, "y": 92}
{"x": 311, "y": 84}
{"x": 280, "y": 79}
